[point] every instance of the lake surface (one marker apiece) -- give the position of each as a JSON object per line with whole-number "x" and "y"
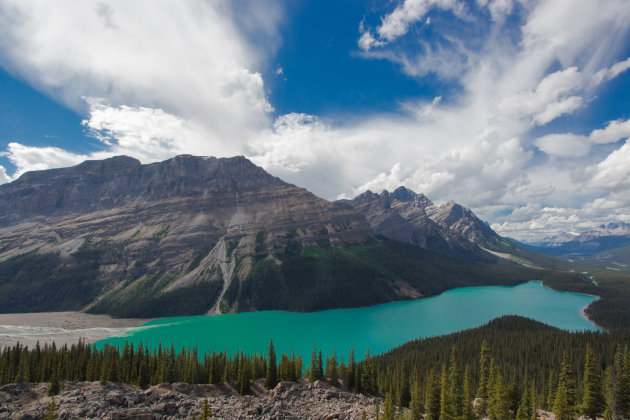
{"x": 379, "y": 327}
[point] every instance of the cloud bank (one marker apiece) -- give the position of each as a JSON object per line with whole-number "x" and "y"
{"x": 162, "y": 78}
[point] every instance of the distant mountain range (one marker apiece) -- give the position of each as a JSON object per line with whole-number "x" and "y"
{"x": 606, "y": 245}
{"x": 195, "y": 235}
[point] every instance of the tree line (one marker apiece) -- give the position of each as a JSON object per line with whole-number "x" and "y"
{"x": 504, "y": 370}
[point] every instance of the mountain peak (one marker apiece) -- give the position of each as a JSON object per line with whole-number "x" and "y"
{"x": 404, "y": 194}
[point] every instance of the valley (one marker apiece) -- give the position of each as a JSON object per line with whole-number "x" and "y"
{"x": 227, "y": 257}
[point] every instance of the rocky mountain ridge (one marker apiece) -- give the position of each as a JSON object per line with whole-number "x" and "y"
{"x": 194, "y": 235}
{"x": 184, "y": 222}
{"x": 411, "y": 217}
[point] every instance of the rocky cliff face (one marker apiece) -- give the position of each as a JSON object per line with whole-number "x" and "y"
{"x": 450, "y": 228}
{"x": 146, "y": 230}
{"x": 409, "y": 217}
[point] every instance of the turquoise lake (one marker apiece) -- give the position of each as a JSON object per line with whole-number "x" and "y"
{"x": 378, "y": 328}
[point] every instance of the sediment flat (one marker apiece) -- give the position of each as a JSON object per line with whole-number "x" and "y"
{"x": 61, "y": 327}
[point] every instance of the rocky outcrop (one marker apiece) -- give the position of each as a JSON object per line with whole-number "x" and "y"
{"x": 462, "y": 221}
{"x": 95, "y": 400}
{"x": 406, "y": 216}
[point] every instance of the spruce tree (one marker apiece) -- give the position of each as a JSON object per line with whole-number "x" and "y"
{"x": 52, "y": 413}
{"x": 467, "y": 402}
{"x": 416, "y": 405}
{"x": 243, "y": 375}
{"x": 331, "y": 368}
{"x": 444, "y": 403}
{"x": 206, "y": 413}
{"x": 54, "y": 387}
{"x": 567, "y": 378}
{"x": 432, "y": 396}
{"x": 389, "y": 407}
{"x": 619, "y": 385}
{"x": 484, "y": 370}
{"x": 561, "y": 407}
{"x": 312, "y": 370}
{"x": 499, "y": 405}
{"x": 351, "y": 368}
{"x": 593, "y": 402}
{"x": 271, "y": 377}
{"x": 454, "y": 407}
{"x": 524, "y": 411}
{"x": 534, "y": 415}
{"x": 625, "y": 374}
{"x": 551, "y": 390}
{"x": 320, "y": 366}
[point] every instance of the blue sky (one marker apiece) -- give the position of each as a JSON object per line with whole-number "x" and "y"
{"x": 518, "y": 109}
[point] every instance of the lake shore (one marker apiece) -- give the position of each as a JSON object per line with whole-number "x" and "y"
{"x": 61, "y": 327}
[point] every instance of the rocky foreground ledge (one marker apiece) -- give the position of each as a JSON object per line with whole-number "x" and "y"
{"x": 96, "y": 400}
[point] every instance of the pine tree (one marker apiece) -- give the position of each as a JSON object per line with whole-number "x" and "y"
{"x": 416, "y": 405}
{"x": 524, "y": 411}
{"x": 368, "y": 374}
{"x": 454, "y": 408}
{"x": 271, "y": 377}
{"x": 389, "y": 407}
{"x": 377, "y": 409}
{"x": 206, "y": 413}
{"x": 484, "y": 370}
{"x": 444, "y": 403}
{"x": 467, "y": 403}
{"x": 54, "y": 387}
{"x": 561, "y": 407}
{"x": 499, "y": 405}
{"x": 331, "y": 368}
{"x": 593, "y": 402}
{"x": 312, "y": 370}
{"x": 351, "y": 368}
{"x": 625, "y": 374}
{"x": 534, "y": 415}
{"x": 551, "y": 390}
{"x": 432, "y": 396}
{"x": 243, "y": 376}
{"x": 320, "y": 366}
{"x": 52, "y": 413}
{"x": 567, "y": 378}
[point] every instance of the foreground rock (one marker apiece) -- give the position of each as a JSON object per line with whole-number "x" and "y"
{"x": 91, "y": 400}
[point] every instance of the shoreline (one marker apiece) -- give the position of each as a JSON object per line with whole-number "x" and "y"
{"x": 61, "y": 327}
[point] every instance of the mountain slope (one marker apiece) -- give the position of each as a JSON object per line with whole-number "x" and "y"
{"x": 406, "y": 216}
{"x": 195, "y": 235}
{"x": 183, "y": 227}
{"x": 605, "y": 246}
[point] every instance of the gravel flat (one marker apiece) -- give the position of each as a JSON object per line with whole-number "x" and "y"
{"x": 61, "y": 327}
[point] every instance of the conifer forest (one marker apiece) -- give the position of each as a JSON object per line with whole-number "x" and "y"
{"x": 509, "y": 368}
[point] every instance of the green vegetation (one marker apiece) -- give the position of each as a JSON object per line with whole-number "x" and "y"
{"x": 312, "y": 277}
{"x": 512, "y": 365}
{"x": 158, "y": 236}
{"x": 198, "y": 255}
{"x": 47, "y": 282}
{"x": 187, "y": 300}
{"x": 612, "y": 310}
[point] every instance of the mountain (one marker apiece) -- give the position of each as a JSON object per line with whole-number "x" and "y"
{"x": 606, "y": 245}
{"x": 194, "y": 235}
{"x": 401, "y": 215}
{"x": 409, "y": 217}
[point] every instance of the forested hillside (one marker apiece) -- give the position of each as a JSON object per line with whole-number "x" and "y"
{"x": 510, "y": 367}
